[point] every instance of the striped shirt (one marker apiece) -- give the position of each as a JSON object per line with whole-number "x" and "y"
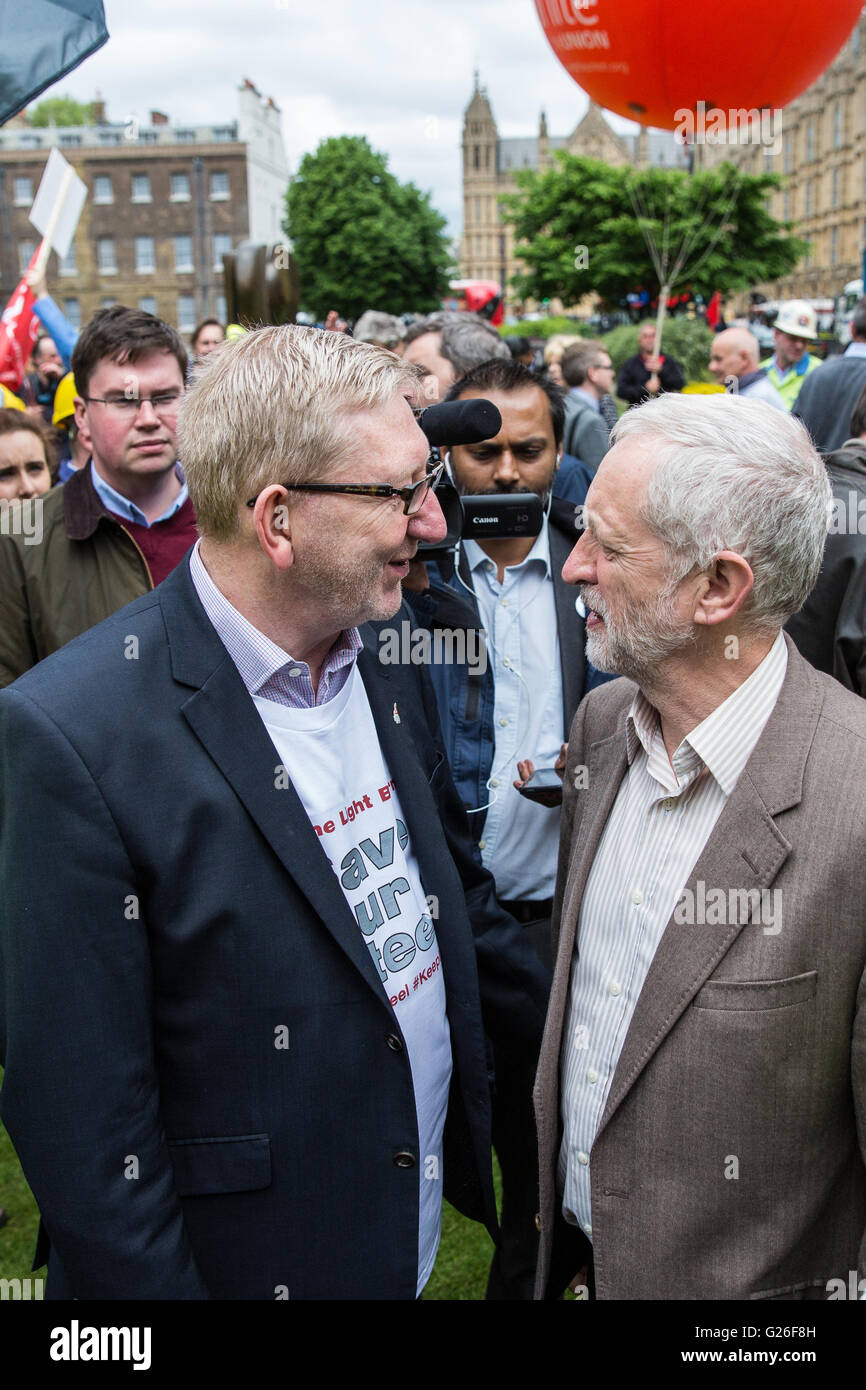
{"x": 662, "y": 818}
{"x": 265, "y": 669}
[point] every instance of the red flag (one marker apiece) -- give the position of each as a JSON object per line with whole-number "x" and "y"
{"x": 18, "y": 328}
{"x": 714, "y": 310}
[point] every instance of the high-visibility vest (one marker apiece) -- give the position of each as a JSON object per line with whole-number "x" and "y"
{"x": 789, "y": 387}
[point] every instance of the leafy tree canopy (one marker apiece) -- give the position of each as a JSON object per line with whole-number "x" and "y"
{"x": 62, "y": 111}
{"x": 580, "y": 228}
{"x": 362, "y": 239}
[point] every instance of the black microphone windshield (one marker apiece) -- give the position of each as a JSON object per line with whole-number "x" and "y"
{"x": 460, "y": 422}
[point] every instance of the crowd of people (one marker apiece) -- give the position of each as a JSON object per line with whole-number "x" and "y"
{"x": 310, "y": 935}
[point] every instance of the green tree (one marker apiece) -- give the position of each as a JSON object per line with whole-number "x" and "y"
{"x": 62, "y": 111}
{"x": 362, "y": 239}
{"x": 582, "y": 226}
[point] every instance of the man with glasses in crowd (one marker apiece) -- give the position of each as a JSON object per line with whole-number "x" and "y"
{"x": 257, "y": 947}
{"x": 123, "y": 522}
{"x": 589, "y": 374}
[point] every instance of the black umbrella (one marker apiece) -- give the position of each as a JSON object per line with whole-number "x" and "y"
{"x": 40, "y": 42}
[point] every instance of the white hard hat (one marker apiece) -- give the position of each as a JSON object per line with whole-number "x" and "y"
{"x": 797, "y": 318}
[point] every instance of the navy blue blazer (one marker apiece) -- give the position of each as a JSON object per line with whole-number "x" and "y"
{"x": 167, "y": 907}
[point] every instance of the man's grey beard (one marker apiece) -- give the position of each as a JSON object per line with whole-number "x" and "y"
{"x": 637, "y": 646}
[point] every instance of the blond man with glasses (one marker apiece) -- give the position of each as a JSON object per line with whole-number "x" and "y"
{"x": 268, "y": 945}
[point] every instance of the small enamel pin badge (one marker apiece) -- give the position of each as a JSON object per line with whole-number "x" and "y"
{"x": 396, "y": 714}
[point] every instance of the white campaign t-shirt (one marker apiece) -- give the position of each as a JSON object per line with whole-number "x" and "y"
{"x": 333, "y": 759}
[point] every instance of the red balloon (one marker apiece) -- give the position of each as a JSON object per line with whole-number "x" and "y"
{"x": 650, "y": 59}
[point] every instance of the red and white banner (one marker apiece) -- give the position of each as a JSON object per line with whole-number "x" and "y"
{"x": 18, "y": 328}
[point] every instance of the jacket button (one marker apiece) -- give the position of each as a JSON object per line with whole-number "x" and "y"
{"x": 394, "y": 1042}
{"x": 404, "y": 1159}
{"x": 538, "y": 1221}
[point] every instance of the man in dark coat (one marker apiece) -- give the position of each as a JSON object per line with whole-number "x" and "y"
{"x": 240, "y": 1017}
{"x": 830, "y": 628}
{"x": 829, "y": 395}
{"x": 645, "y": 376}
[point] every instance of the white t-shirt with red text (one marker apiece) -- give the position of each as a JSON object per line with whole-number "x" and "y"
{"x": 332, "y": 757}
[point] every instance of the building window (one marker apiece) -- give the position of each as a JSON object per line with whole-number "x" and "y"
{"x": 810, "y": 140}
{"x": 834, "y": 243}
{"x": 809, "y": 198}
{"x": 30, "y": 142}
{"x": 185, "y": 137}
{"x": 26, "y": 252}
{"x": 222, "y": 245}
{"x": 69, "y": 265}
{"x": 68, "y": 140}
{"x": 224, "y": 133}
{"x": 72, "y": 310}
{"x": 219, "y": 187}
{"x": 107, "y": 303}
{"x": 103, "y": 192}
{"x": 147, "y": 304}
{"x": 787, "y": 212}
{"x": 789, "y": 154}
{"x": 180, "y": 188}
{"x": 855, "y": 42}
{"x": 477, "y": 209}
{"x": 147, "y": 137}
{"x": 837, "y": 125}
{"x": 476, "y": 157}
{"x": 109, "y": 138}
{"x": 221, "y": 307}
{"x": 141, "y": 188}
{"x": 186, "y": 313}
{"x": 23, "y": 192}
{"x": 183, "y": 253}
{"x": 487, "y": 156}
{"x": 834, "y": 188}
{"x": 145, "y": 259}
{"x": 106, "y": 258}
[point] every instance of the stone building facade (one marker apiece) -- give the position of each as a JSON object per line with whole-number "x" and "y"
{"x": 490, "y": 163}
{"x": 819, "y": 147}
{"x": 165, "y": 203}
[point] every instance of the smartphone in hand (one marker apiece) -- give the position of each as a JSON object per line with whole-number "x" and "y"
{"x": 544, "y": 786}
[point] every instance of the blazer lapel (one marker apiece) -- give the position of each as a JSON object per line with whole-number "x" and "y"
{"x": 223, "y": 717}
{"x": 605, "y": 768}
{"x": 745, "y": 851}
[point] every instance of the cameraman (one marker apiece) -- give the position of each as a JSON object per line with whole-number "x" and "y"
{"x": 521, "y": 704}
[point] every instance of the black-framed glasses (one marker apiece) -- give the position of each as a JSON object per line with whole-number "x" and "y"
{"x": 412, "y": 497}
{"x": 164, "y": 403}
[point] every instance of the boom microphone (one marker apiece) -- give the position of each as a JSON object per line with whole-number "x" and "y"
{"x": 460, "y": 422}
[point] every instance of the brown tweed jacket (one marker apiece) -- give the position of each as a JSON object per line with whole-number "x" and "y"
{"x": 743, "y": 1043}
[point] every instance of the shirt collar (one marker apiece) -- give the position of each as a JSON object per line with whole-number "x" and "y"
{"x": 855, "y": 350}
{"x": 257, "y": 658}
{"x": 725, "y": 740}
{"x": 748, "y": 377}
{"x": 479, "y": 560}
{"x": 587, "y": 396}
{"x": 799, "y": 368}
{"x": 122, "y": 506}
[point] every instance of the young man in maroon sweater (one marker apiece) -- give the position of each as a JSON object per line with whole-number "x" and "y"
{"x": 124, "y": 521}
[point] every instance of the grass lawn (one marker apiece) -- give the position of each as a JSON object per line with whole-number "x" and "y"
{"x": 460, "y": 1272}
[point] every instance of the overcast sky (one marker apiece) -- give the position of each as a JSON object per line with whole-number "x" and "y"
{"x": 400, "y": 74}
